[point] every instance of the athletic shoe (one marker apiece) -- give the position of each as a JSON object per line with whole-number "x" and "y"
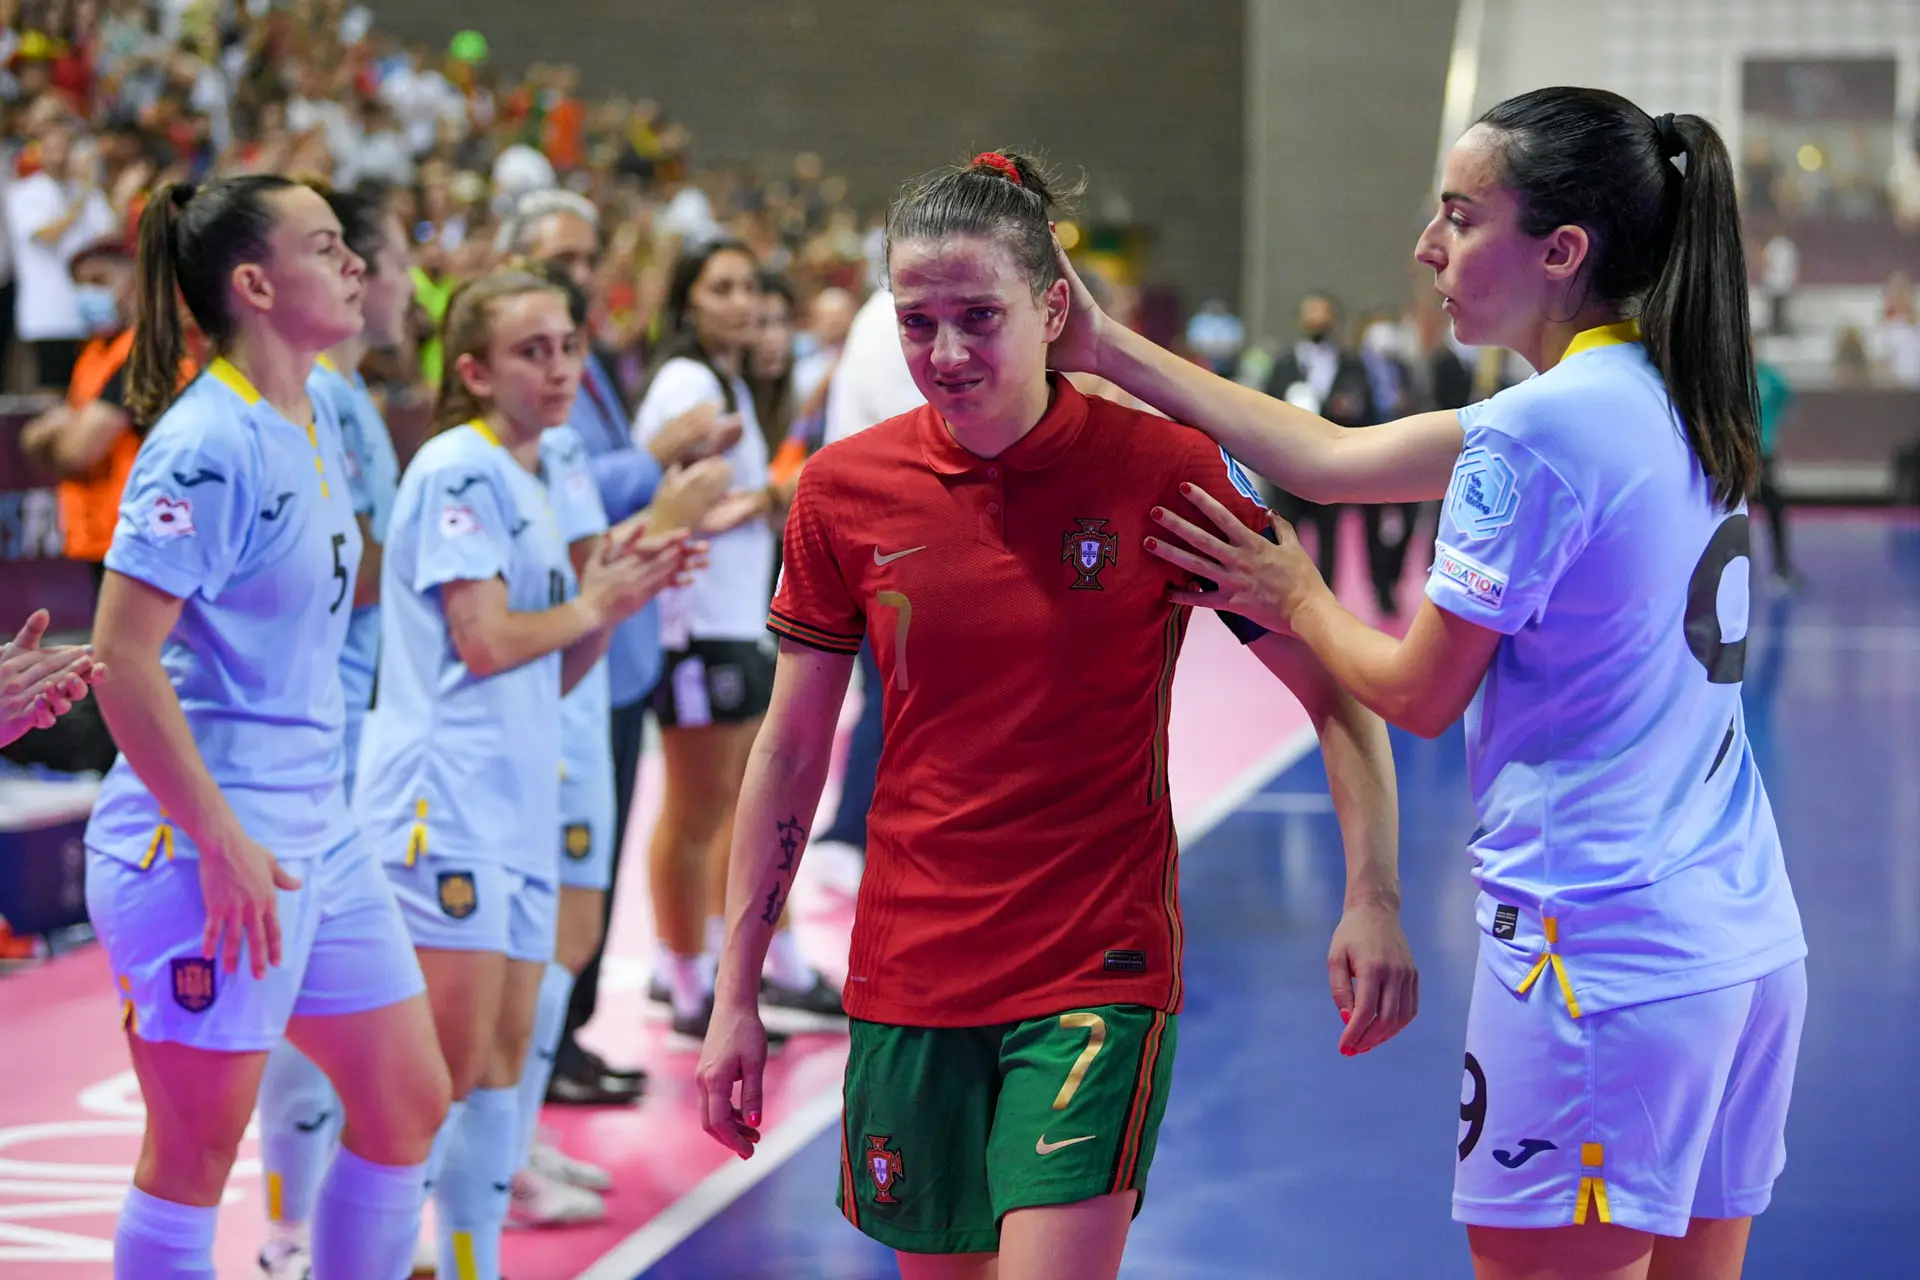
{"x": 817, "y": 1008}
{"x": 554, "y": 1163}
{"x": 286, "y": 1262}
{"x": 540, "y": 1200}
{"x": 583, "y": 1079}
{"x": 634, "y": 1074}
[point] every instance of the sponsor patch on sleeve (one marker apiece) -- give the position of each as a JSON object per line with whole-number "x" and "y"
{"x": 170, "y": 517}
{"x": 457, "y": 521}
{"x": 1477, "y": 581}
{"x": 1485, "y": 494}
{"x": 1241, "y": 480}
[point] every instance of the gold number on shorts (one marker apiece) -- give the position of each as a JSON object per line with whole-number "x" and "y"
{"x": 1097, "y": 1035}
{"x": 895, "y": 600}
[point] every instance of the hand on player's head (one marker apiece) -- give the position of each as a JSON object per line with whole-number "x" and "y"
{"x": 1077, "y": 349}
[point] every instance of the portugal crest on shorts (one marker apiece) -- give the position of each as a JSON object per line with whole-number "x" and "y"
{"x": 1089, "y": 551}
{"x": 458, "y": 898}
{"x": 885, "y": 1166}
{"x": 193, "y": 984}
{"x": 576, "y": 840}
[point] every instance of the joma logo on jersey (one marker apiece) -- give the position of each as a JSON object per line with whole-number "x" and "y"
{"x": 1484, "y": 496}
{"x": 885, "y": 1166}
{"x": 1089, "y": 551}
{"x": 194, "y": 986}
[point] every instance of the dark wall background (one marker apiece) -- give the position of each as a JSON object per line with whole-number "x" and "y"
{"x": 1146, "y": 95}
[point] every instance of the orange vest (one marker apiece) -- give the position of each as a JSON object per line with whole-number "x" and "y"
{"x": 90, "y": 504}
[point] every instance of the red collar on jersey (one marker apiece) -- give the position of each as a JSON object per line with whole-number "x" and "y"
{"x": 1051, "y": 437}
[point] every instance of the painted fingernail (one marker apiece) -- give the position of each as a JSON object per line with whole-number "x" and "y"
{"x": 1152, "y": 543}
{"x": 1346, "y": 1015}
{"x": 1185, "y": 487}
{"x": 753, "y": 1118}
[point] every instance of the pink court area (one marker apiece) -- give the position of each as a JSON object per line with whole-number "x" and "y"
{"x": 71, "y": 1113}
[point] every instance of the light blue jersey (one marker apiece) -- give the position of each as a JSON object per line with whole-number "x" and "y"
{"x": 452, "y": 764}
{"x": 1616, "y": 790}
{"x": 585, "y": 750}
{"x": 247, "y": 519}
{"x": 373, "y": 476}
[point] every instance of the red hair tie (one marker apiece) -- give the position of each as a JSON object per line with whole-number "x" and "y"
{"x": 994, "y": 160}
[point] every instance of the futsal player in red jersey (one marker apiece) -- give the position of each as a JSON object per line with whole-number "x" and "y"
{"x": 1015, "y": 970}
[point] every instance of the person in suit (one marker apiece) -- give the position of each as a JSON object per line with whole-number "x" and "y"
{"x": 1319, "y": 376}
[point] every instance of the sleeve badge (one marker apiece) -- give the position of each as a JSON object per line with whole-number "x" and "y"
{"x": 169, "y": 518}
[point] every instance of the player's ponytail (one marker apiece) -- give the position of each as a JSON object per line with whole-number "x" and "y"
{"x": 1695, "y": 321}
{"x": 190, "y": 240}
{"x": 1003, "y": 194}
{"x": 1656, "y": 198}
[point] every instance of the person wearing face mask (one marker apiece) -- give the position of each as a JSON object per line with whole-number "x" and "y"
{"x": 90, "y": 440}
{"x": 1389, "y": 525}
{"x": 1318, "y": 376}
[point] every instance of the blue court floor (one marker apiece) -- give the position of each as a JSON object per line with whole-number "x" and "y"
{"x": 1279, "y": 1158}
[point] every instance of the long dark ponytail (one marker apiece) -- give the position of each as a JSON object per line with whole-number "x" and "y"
{"x": 1665, "y": 246}
{"x": 191, "y": 238}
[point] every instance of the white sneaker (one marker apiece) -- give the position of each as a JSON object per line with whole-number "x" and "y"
{"x": 426, "y": 1255}
{"x": 557, "y": 1164}
{"x": 543, "y": 1201}
{"x": 286, "y": 1262}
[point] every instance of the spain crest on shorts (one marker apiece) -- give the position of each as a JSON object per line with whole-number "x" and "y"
{"x": 194, "y": 986}
{"x": 458, "y": 898}
{"x": 1089, "y": 550}
{"x": 576, "y": 840}
{"x": 885, "y": 1166}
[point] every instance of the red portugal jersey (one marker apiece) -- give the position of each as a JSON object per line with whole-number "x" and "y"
{"x": 1021, "y": 857}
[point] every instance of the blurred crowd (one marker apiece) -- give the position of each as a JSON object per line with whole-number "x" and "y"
{"x": 101, "y": 101}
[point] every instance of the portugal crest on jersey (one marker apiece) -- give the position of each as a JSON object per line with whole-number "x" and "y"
{"x": 1089, "y": 551}
{"x": 885, "y": 1166}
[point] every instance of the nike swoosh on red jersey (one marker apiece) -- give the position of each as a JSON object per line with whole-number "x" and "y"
{"x": 879, "y": 559}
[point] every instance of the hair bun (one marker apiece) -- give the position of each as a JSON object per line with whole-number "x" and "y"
{"x": 181, "y": 193}
{"x": 994, "y": 161}
{"x": 1664, "y": 132}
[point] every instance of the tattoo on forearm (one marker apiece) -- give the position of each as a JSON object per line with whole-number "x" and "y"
{"x": 791, "y": 834}
{"x": 792, "y": 837}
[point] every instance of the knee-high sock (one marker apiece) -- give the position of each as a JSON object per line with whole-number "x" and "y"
{"x": 367, "y": 1218}
{"x": 449, "y": 1130}
{"x": 159, "y": 1240}
{"x": 472, "y": 1190}
{"x": 299, "y": 1130}
{"x": 549, "y": 1021}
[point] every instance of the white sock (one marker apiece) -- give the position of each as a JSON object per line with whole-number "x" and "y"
{"x": 685, "y": 983}
{"x": 785, "y": 966}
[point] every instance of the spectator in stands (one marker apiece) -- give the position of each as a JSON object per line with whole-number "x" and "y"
{"x": 1320, "y": 377}
{"x": 38, "y": 685}
{"x": 1896, "y": 342}
{"x": 818, "y": 349}
{"x": 89, "y": 440}
{"x": 51, "y": 215}
{"x": 1389, "y": 525}
{"x": 1779, "y": 276}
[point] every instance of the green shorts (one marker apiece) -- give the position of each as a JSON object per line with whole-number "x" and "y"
{"x": 948, "y": 1129}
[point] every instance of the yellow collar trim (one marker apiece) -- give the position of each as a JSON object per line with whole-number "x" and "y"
{"x": 1607, "y": 335}
{"x": 326, "y": 362}
{"x": 234, "y": 380}
{"x": 485, "y": 431}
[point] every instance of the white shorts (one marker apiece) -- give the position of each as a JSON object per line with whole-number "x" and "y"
{"x": 455, "y": 904}
{"x": 343, "y": 949}
{"x": 586, "y": 833}
{"x": 1644, "y": 1116}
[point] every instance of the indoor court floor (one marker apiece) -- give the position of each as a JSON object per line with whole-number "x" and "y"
{"x": 1278, "y": 1157}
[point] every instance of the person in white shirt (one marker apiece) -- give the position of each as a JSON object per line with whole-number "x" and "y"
{"x": 51, "y": 216}
{"x": 871, "y": 383}
{"x": 717, "y": 671}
